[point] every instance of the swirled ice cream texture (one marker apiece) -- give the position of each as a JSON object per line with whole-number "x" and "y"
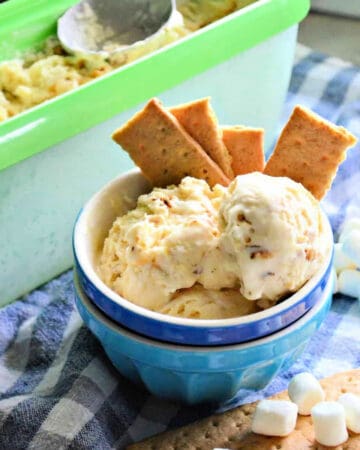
{"x": 274, "y": 230}
{"x": 162, "y": 245}
{"x": 193, "y": 251}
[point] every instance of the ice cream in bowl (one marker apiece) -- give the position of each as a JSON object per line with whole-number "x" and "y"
{"x": 192, "y": 251}
{"x": 202, "y": 281}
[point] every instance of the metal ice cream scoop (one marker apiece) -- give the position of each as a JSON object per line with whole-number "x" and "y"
{"x": 109, "y": 26}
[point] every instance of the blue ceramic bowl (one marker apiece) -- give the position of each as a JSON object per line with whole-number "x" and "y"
{"x": 90, "y": 231}
{"x": 201, "y": 374}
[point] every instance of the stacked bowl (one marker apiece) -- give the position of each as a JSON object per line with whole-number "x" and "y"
{"x": 184, "y": 359}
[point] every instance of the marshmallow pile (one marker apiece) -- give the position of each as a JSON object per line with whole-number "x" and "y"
{"x": 347, "y": 259}
{"x": 331, "y": 419}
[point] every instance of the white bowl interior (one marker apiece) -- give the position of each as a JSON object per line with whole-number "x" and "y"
{"x": 114, "y": 200}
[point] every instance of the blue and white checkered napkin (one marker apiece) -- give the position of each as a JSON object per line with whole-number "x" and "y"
{"x": 57, "y": 388}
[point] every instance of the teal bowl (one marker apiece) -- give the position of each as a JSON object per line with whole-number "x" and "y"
{"x": 201, "y": 374}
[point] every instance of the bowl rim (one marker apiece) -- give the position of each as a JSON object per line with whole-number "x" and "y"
{"x": 99, "y": 316}
{"x": 79, "y": 249}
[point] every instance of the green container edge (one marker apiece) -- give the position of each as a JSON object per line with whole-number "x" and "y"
{"x": 49, "y": 123}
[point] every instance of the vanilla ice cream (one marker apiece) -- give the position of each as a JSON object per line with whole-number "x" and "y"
{"x": 159, "y": 247}
{"x": 198, "y": 252}
{"x": 200, "y": 303}
{"x": 273, "y": 228}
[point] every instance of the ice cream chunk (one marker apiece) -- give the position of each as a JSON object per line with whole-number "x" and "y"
{"x": 159, "y": 247}
{"x": 200, "y": 303}
{"x": 273, "y": 229}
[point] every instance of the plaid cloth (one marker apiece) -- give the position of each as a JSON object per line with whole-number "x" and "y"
{"x": 58, "y": 389}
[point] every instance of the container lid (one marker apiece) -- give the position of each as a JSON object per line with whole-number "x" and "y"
{"x": 60, "y": 118}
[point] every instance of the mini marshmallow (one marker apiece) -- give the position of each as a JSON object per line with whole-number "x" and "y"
{"x": 351, "y": 404}
{"x": 349, "y": 225}
{"x": 274, "y": 417}
{"x": 349, "y": 282}
{"x": 335, "y": 281}
{"x": 329, "y": 423}
{"x": 351, "y": 246}
{"x": 305, "y": 390}
{"x": 341, "y": 261}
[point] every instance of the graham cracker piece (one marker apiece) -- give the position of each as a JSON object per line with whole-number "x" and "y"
{"x": 309, "y": 150}
{"x": 246, "y": 147}
{"x": 232, "y": 429}
{"x": 163, "y": 150}
{"x": 199, "y": 120}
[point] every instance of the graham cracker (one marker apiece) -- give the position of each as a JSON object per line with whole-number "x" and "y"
{"x": 246, "y": 147}
{"x": 163, "y": 150}
{"x": 309, "y": 150}
{"x": 199, "y": 120}
{"x": 232, "y": 429}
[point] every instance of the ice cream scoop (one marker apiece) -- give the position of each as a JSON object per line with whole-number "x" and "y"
{"x": 200, "y": 303}
{"x": 273, "y": 229}
{"x": 108, "y": 26}
{"x": 159, "y": 247}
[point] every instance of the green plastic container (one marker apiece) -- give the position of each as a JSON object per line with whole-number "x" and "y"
{"x": 56, "y": 155}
